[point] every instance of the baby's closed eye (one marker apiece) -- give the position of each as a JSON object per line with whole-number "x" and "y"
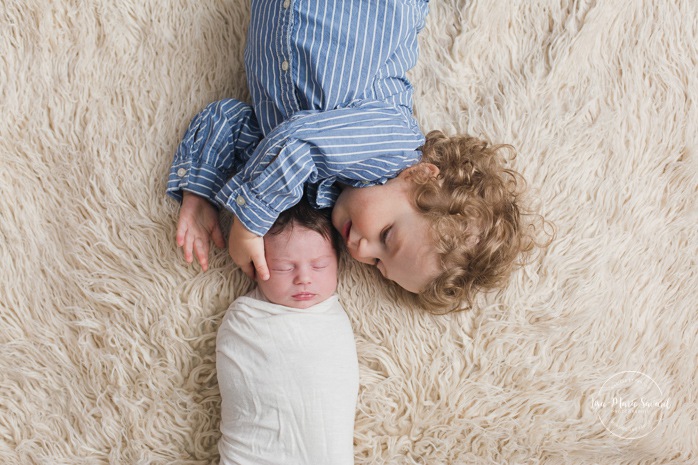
{"x": 320, "y": 265}
{"x": 280, "y": 266}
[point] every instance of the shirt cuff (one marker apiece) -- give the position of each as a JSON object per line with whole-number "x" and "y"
{"x": 205, "y": 181}
{"x": 253, "y": 212}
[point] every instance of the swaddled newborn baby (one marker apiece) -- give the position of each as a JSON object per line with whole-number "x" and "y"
{"x": 286, "y": 355}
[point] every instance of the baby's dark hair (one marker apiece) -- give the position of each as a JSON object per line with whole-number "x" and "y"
{"x": 302, "y": 214}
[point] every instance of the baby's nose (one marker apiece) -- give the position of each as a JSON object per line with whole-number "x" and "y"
{"x": 303, "y": 277}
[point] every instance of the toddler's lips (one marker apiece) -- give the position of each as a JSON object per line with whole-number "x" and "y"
{"x": 304, "y": 296}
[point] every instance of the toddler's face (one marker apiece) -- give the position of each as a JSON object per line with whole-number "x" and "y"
{"x": 302, "y": 267}
{"x": 381, "y": 227}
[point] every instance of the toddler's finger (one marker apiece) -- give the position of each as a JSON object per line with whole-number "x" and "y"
{"x": 201, "y": 251}
{"x": 181, "y": 232}
{"x": 217, "y": 236}
{"x": 188, "y": 246}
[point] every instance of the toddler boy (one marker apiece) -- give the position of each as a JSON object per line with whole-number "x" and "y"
{"x": 331, "y": 119}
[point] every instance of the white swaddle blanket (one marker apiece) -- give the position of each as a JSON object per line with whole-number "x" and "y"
{"x": 289, "y": 381}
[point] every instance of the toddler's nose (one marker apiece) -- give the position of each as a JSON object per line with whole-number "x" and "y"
{"x": 353, "y": 239}
{"x": 361, "y": 252}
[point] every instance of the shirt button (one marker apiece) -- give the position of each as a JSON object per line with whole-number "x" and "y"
{"x": 181, "y": 172}
{"x": 365, "y": 182}
{"x": 240, "y": 200}
{"x": 287, "y": 3}
{"x": 284, "y": 65}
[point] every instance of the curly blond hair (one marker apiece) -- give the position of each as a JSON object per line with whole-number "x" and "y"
{"x": 473, "y": 205}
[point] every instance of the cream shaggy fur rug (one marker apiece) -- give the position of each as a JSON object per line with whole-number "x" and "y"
{"x": 107, "y": 337}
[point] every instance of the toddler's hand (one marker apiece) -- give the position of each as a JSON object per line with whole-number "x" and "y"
{"x": 198, "y": 224}
{"x": 247, "y": 250}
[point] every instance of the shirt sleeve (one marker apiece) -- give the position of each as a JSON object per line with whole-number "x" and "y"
{"x": 365, "y": 143}
{"x": 218, "y": 143}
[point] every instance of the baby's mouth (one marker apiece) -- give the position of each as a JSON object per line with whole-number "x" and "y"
{"x": 304, "y": 296}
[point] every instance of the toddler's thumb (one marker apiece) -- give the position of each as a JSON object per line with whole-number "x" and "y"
{"x": 260, "y": 266}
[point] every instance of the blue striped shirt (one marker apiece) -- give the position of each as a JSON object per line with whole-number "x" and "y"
{"x": 330, "y": 104}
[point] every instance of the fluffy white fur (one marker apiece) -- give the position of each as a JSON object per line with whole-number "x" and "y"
{"x": 107, "y": 337}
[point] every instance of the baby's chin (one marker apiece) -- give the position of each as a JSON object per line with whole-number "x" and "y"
{"x": 301, "y": 306}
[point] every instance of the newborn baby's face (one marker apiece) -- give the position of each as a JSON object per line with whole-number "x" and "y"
{"x": 302, "y": 267}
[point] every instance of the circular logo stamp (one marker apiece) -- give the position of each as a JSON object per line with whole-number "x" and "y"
{"x": 630, "y": 404}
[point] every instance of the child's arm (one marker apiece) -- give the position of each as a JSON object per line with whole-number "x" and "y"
{"x": 217, "y": 143}
{"x": 364, "y": 144}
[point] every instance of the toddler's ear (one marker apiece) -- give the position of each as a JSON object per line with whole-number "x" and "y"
{"x": 428, "y": 170}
